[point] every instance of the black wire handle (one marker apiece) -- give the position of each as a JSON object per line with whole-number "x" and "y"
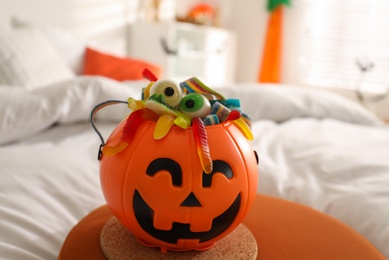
{"x": 92, "y": 120}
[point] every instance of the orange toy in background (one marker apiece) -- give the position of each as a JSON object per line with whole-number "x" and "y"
{"x": 193, "y": 184}
{"x": 203, "y": 14}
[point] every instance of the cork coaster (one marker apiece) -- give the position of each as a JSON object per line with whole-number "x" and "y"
{"x": 119, "y": 243}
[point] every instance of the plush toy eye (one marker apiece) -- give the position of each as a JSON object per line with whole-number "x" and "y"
{"x": 171, "y": 92}
{"x": 195, "y": 105}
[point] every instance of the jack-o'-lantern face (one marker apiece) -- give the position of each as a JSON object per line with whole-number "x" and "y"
{"x": 159, "y": 191}
{"x": 186, "y": 220}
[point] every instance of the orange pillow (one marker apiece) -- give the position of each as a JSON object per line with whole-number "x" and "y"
{"x": 115, "y": 67}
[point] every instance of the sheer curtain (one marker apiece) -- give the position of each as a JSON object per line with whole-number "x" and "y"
{"x": 337, "y": 43}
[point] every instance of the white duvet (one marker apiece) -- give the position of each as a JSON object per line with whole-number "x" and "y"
{"x": 314, "y": 148}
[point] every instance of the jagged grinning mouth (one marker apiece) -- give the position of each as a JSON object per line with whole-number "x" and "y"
{"x": 144, "y": 215}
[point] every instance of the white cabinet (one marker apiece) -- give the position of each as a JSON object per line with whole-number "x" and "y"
{"x": 186, "y": 50}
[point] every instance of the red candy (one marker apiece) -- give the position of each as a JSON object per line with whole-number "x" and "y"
{"x": 235, "y": 114}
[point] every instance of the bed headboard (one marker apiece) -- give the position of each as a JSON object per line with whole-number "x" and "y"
{"x": 101, "y": 21}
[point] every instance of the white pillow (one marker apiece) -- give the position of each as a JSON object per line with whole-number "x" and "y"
{"x": 28, "y": 60}
{"x": 68, "y": 46}
{"x": 283, "y": 102}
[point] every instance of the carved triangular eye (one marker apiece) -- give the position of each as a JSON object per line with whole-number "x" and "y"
{"x": 191, "y": 201}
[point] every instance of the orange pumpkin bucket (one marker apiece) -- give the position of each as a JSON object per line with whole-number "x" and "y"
{"x": 180, "y": 188}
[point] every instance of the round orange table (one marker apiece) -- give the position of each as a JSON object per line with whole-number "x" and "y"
{"x": 282, "y": 229}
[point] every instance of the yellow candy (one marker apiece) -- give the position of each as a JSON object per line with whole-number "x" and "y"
{"x": 164, "y": 123}
{"x": 134, "y": 104}
{"x": 182, "y": 120}
{"x": 146, "y": 91}
{"x": 242, "y": 125}
{"x": 112, "y": 150}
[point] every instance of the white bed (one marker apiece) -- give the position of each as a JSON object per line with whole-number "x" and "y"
{"x": 314, "y": 147}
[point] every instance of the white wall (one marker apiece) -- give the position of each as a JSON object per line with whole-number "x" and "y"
{"x": 249, "y": 20}
{"x": 104, "y": 21}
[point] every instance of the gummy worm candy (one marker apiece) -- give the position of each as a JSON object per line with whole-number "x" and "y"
{"x": 201, "y": 140}
{"x": 129, "y": 130}
{"x": 147, "y": 74}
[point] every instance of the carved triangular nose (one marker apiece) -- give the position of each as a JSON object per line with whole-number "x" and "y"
{"x": 191, "y": 201}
